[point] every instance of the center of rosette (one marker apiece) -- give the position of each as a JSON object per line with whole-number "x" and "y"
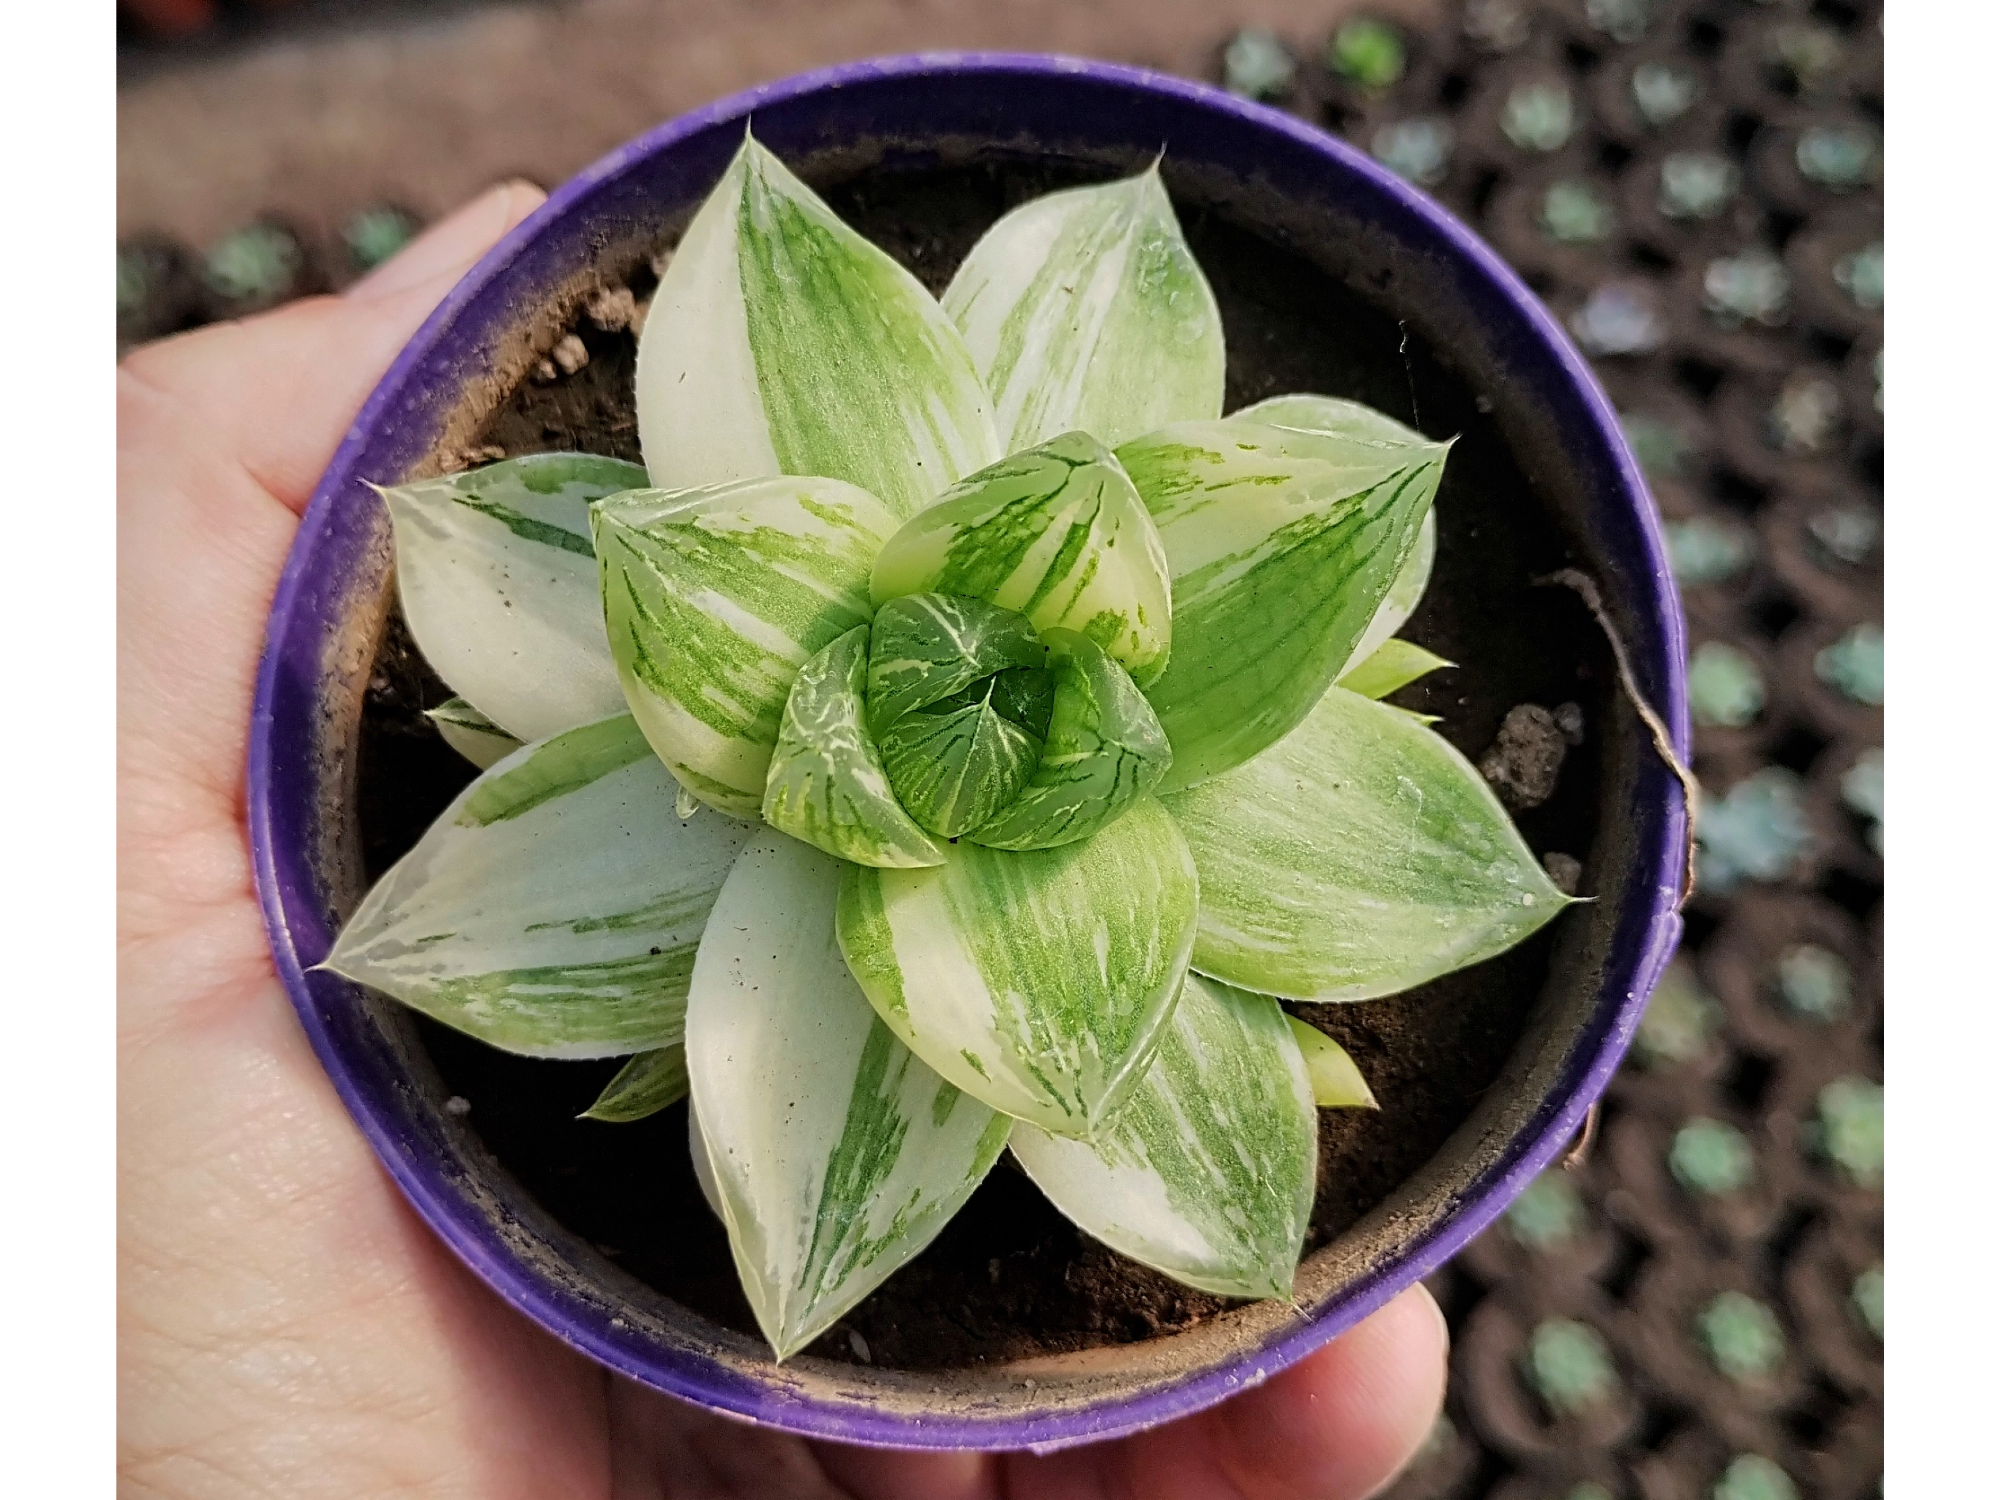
{"x": 959, "y": 699}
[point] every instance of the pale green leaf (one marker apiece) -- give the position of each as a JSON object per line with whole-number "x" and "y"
{"x": 835, "y": 1154}
{"x": 1336, "y": 1080}
{"x": 1359, "y": 856}
{"x": 1207, "y": 1172}
{"x": 497, "y": 581}
{"x": 704, "y": 1169}
{"x": 553, "y": 909}
{"x": 957, "y": 763}
{"x": 1039, "y": 981}
{"x": 782, "y": 342}
{"x": 1105, "y": 749}
{"x": 1393, "y": 664}
{"x": 827, "y": 783}
{"x": 1330, "y": 414}
{"x": 714, "y": 598}
{"x": 926, "y": 647}
{"x": 1282, "y": 544}
{"x": 1056, "y": 533}
{"x": 644, "y": 1086}
{"x": 1086, "y": 309}
{"x": 471, "y": 733}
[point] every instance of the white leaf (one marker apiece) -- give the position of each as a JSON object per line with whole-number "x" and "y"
{"x": 1359, "y": 856}
{"x": 782, "y": 342}
{"x": 1086, "y": 309}
{"x": 498, "y": 584}
{"x": 1207, "y": 1171}
{"x": 836, "y": 1155}
{"x": 714, "y": 599}
{"x": 471, "y": 733}
{"x": 553, "y": 909}
{"x": 1037, "y": 981}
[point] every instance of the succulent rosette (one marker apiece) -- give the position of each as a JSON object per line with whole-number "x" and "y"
{"x": 1035, "y": 708}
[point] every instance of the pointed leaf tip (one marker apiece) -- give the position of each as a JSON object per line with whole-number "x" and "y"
{"x": 1066, "y": 296}
{"x": 1336, "y": 1080}
{"x": 1207, "y": 1172}
{"x": 835, "y": 1154}
{"x": 781, "y": 341}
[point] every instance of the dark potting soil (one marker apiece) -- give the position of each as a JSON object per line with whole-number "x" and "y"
{"x": 1009, "y": 1276}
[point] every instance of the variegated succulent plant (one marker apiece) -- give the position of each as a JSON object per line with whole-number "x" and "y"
{"x": 1037, "y": 708}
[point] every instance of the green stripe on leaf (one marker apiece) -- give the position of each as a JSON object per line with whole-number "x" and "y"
{"x": 1056, "y": 533}
{"x": 1035, "y": 981}
{"x": 553, "y": 909}
{"x": 494, "y": 570}
{"x": 713, "y": 600}
{"x": 835, "y": 1154}
{"x": 1086, "y": 309}
{"x": 1207, "y": 1171}
{"x": 1359, "y": 856}
{"x": 644, "y": 1086}
{"x": 1282, "y": 545}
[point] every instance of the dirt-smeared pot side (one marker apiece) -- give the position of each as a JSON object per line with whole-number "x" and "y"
{"x": 1265, "y": 171}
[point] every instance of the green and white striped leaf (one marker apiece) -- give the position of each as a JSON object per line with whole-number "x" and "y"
{"x": 1207, "y": 1172}
{"x": 1393, "y": 664}
{"x": 1039, "y": 981}
{"x": 1330, "y": 414}
{"x": 782, "y": 342}
{"x": 1086, "y": 309}
{"x": 1359, "y": 856}
{"x": 471, "y": 733}
{"x": 1336, "y": 1080}
{"x": 1282, "y": 544}
{"x": 644, "y": 1086}
{"x": 835, "y": 1154}
{"x": 926, "y": 647}
{"x": 827, "y": 783}
{"x": 713, "y": 600}
{"x": 553, "y": 909}
{"x": 1105, "y": 749}
{"x": 1056, "y": 533}
{"x": 957, "y": 763}
{"x": 497, "y": 581}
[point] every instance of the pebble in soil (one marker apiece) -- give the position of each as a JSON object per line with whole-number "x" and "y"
{"x": 1725, "y": 689}
{"x": 1853, "y": 666}
{"x": 1526, "y": 757}
{"x": 1757, "y": 831}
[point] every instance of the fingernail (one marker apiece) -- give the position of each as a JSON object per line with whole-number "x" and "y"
{"x": 452, "y": 245}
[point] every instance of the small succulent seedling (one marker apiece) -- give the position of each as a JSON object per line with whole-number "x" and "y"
{"x": 1847, "y": 1129}
{"x": 1621, "y": 20}
{"x": 1661, "y": 448}
{"x": 1574, "y": 212}
{"x": 1256, "y": 64}
{"x": 1758, "y": 830}
{"x": 1741, "y": 1337}
{"x": 1725, "y": 689}
{"x": 958, "y": 737}
{"x": 1751, "y": 1476}
{"x": 1547, "y": 1215}
{"x": 1663, "y": 93}
{"x": 1539, "y": 116}
{"x": 1753, "y": 287}
{"x": 1815, "y": 983}
{"x": 375, "y": 234}
{"x": 1861, "y": 792}
{"x": 1711, "y": 1157}
{"x": 1568, "y": 1365}
{"x": 1697, "y": 184}
{"x": 1417, "y": 150}
{"x": 1804, "y": 420}
{"x": 1860, "y": 275}
{"x": 1618, "y": 318}
{"x": 1705, "y": 551}
{"x": 1680, "y": 1020}
{"x": 1839, "y": 158}
{"x": 1866, "y": 1296}
{"x": 1367, "y": 52}
{"x": 1853, "y": 665}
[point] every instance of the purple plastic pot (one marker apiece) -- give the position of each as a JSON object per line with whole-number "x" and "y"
{"x": 1289, "y": 183}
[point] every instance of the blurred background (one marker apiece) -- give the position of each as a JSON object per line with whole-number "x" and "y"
{"x": 1694, "y": 186}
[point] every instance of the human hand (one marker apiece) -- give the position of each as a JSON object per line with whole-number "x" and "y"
{"x": 287, "y": 1326}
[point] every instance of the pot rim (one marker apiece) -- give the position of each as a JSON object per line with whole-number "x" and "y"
{"x": 436, "y": 1196}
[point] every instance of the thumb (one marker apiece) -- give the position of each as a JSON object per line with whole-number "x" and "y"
{"x": 277, "y": 393}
